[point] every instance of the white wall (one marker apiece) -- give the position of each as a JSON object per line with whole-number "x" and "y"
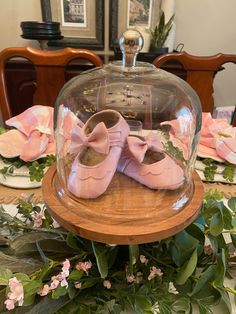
{"x": 205, "y": 27}
{"x": 12, "y": 13}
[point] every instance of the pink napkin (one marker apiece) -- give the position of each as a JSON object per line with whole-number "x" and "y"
{"x": 33, "y": 136}
{"x": 218, "y": 139}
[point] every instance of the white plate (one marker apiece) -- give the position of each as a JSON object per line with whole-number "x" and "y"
{"x": 18, "y": 179}
{"x": 18, "y": 182}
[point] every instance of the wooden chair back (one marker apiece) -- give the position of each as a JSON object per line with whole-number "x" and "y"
{"x": 200, "y": 72}
{"x": 50, "y": 69}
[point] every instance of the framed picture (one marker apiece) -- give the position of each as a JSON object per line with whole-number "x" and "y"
{"x": 126, "y": 14}
{"x": 81, "y": 22}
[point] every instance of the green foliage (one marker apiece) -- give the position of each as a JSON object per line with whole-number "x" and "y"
{"x": 211, "y": 169}
{"x": 160, "y": 33}
{"x": 185, "y": 272}
{"x": 36, "y": 168}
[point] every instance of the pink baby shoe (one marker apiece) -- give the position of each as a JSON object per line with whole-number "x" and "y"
{"x": 97, "y": 145}
{"x": 144, "y": 160}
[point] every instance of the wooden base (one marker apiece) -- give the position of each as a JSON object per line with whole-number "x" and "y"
{"x": 128, "y": 213}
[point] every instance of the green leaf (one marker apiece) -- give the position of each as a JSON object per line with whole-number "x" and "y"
{"x": 30, "y": 290}
{"x": 142, "y": 304}
{"x": 90, "y": 282}
{"x": 133, "y": 256}
{"x": 75, "y": 275}
{"x": 221, "y": 269}
{"x": 204, "y": 278}
{"x": 48, "y": 305}
{"x": 233, "y": 238}
{"x": 227, "y": 216}
{"x": 182, "y": 247}
{"x": 181, "y": 305}
{"x": 5, "y": 275}
{"x": 207, "y": 296}
{"x": 26, "y": 242}
{"x": 204, "y": 309}
{"x": 187, "y": 269}
{"x": 48, "y": 264}
{"x": 23, "y": 265}
{"x": 101, "y": 259}
{"x": 216, "y": 224}
{"x": 232, "y": 203}
{"x": 58, "y": 292}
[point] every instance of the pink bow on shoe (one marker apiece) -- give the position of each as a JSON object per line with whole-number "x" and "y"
{"x": 34, "y": 128}
{"x": 139, "y": 147}
{"x": 98, "y": 139}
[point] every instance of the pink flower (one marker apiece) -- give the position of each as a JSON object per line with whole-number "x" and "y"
{"x": 16, "y": 293}
{"x": 107, "y": 284}
{"x": 143, "y": 259}
{"x": 46, "y": 289}
{"x": 154, "y": 272}
{"x": 23, "y": 197}
{"x": 84, "y": 266}
{"x": 54, "y": 284}
{"x": 65, "y": 268}
{"x": 10, "y": 305}
{"x": 58, "y": 279}
{"x": 130, "y": 278}
{"x": 38, "y": 220}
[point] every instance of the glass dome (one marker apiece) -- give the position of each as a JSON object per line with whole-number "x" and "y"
{"x": 126, "y": 136}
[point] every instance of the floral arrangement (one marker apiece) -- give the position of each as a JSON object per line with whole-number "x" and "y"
{"x": 45, "y": 269}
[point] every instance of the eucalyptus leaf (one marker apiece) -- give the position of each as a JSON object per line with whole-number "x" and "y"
{"x": 216, "y": 224}
{"x": 187, "y": 269}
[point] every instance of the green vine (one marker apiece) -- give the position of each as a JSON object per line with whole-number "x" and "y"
{"x": 36, "y": 168}
{"x": 211, "y": 170}
{"x": 60, "y": 272}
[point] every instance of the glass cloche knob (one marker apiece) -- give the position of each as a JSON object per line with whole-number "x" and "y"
{"x": 131, "y": 43}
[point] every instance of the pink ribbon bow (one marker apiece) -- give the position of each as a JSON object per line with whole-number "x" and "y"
{"x": 139, "y": 147}
{"x": 98, "y": 139}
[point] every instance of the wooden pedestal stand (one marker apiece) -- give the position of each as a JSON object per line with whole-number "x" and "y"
{"x": 128, "y": 213}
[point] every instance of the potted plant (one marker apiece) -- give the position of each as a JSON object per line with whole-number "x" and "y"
{"x": 160, "y": 33}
